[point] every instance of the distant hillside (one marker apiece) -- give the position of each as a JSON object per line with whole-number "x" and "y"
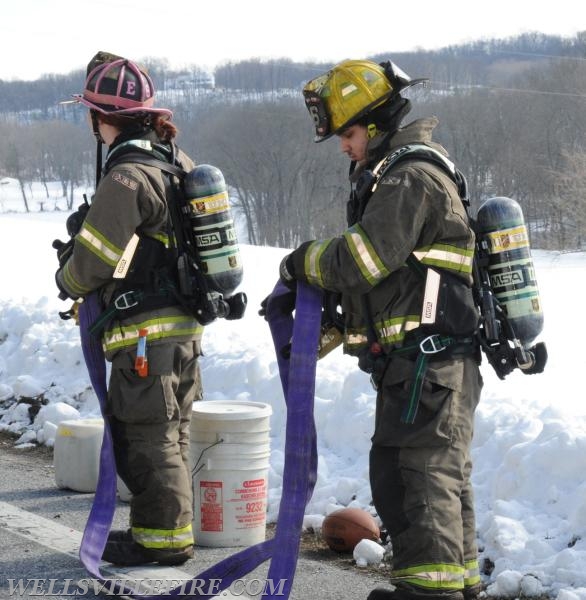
{"x": 511, "y": 116}
{"x": 473, "y": 63}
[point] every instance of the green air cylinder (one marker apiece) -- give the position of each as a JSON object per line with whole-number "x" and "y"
{"x": 512, "y": 275}
{"x": 213, "y": 228}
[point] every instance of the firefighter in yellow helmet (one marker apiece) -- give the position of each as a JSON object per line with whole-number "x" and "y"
{"x": 403, "y": 271}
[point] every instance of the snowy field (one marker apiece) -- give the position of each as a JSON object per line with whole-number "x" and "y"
{"x": 530, "y": 437}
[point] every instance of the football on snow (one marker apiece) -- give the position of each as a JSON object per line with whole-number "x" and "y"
{"x": 344, "y": 528}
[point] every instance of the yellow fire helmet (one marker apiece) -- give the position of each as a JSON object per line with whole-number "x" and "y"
{"x": 350, "y": 90}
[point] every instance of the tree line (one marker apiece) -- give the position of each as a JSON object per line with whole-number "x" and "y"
{"x": 511, "y": 117}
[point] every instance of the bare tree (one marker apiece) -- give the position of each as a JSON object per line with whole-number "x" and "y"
{"x": 68, "y": 149}
{"x": 13, "y": 163}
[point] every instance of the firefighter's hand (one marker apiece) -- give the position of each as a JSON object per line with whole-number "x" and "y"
{"x": 283, "y": 304}
{"x": 75, "y": 220}
{"x": 64, "y": 250}
{"x": 291, "y": 267}
{"x": 287, "y": 272}
{"x": 539, "y": 354}
{"x": 63, "y": 295}
{"x": 72, "y": 313}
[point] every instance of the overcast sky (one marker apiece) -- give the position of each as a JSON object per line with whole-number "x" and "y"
{"x": 57, "y": 36}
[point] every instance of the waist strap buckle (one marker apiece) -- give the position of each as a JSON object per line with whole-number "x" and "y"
{"x": 126, "y": 300}
{"x": 433, "y": 344}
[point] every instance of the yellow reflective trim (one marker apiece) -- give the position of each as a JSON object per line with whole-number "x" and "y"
{"x": 367, "y": 260}
{"x": 71, "y": 283}
{"x": 393, "y": 330}
{"x": 355, "y": 339}
{"x": 312, "y": 264}
{"x": 161, "y": 237}
{"x": 447, "y": 257}
{"x": 97, "y": 244}
{"x": 471, "y": 573}
{"x": 163, "y": 538}
{"x": 160, "y": 328}
{"x": 437, "y": 577}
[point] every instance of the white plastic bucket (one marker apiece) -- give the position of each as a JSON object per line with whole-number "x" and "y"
{"x": 76, "y": 456}
{"x": 230, "y": 452}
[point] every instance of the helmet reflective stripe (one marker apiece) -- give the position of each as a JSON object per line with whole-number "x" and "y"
{"x": 158, "y": 328}
{"x": 437, "y": 577}
{"x": 445, "y": 256}
{"x": 370, "y": 265}
{"x": 97, "y": 244}
{"x": 163, "y": 538}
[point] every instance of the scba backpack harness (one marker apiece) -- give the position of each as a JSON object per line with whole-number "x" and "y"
{"x": 500, "y": 313}
{"x": 198, "y": 267}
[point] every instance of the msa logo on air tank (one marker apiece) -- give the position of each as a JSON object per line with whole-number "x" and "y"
{"x": 522, "y": 276}
{"x": 213, "y": 228}
{"x": 501, "y": 226}
{"x": 508, "y": 278}
{"x": 215, "y": 238}
{"x": 208, "y": 239}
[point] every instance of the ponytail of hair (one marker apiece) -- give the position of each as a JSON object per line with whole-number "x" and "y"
{"x": 162, "y": 125}
{"x": 164, "y": 128}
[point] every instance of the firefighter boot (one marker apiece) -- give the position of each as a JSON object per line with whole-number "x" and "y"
{"x": 128, "y": 553}
{"x": 408, "y": 594}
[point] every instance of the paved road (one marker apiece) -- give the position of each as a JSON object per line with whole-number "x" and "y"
{"x": 41, "y": 528}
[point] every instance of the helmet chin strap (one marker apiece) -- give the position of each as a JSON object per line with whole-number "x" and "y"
{"x": 98, "y": 162}
{"x": 96, "y": 126}
{"x": 100, "y": 142}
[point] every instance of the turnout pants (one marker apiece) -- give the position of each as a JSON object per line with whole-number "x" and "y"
{"x": 150, "y": 419}
{"x": 420, "y": 475}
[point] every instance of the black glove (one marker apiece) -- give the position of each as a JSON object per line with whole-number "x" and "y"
{"x": 63, "y": 295}
{"x": 287, "y": 272}
{"x": 64, "y": 250}
{"x": 75, "y": 219}
{"x": 331, "y": 315}
{"x": 284, "y": 304}
{"x": 539, "y": 354}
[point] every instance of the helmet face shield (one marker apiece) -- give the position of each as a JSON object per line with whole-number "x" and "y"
{"x": 317, "y": 109}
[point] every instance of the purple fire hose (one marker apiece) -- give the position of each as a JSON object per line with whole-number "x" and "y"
{"x": 300, "y": 453}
